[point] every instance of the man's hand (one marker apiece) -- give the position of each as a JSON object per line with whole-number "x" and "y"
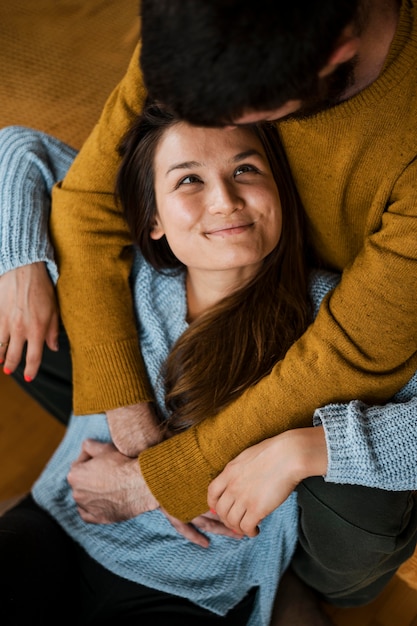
{"x": 134, "y": 428}
{"x": 108, "y": 486}
{"x": 259, "y": 479}
{"x": 28, "y": 313}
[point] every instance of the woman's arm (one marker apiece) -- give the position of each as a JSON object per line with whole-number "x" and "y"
{"x": 30, "y": 164}
{"x": 356, "y": 444}
{"x": 375, "y": 446}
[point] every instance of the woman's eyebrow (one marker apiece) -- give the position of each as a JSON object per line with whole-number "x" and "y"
{"x": 183, "y": 166}
{"x": 190, "y": 164}
{"x": 244, "y": 155}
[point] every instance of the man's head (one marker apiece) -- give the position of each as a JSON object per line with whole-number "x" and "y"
{"x": 214, "y": 61}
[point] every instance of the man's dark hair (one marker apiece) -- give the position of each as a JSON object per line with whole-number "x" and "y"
{"x": 211, "y": 60}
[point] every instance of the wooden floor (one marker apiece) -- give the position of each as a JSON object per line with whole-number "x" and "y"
{"x": 28, "y": 436}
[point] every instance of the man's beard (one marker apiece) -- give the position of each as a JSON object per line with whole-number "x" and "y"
{"x": 329, "y": 91}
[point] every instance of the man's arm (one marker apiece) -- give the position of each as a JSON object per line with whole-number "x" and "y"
{"x": 92, "y": 246}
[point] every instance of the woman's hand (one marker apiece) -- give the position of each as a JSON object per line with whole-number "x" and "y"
{"x": 258, "y": 480}
{"x": 28, "y": 313}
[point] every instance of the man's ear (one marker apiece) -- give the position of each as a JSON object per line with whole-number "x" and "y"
{"x": 346, "y": 48}
{"x": 157, "y": 231}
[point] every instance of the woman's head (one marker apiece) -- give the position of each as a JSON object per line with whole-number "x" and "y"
{"x": 214, "y": 194}
{"x": 173, "y": 178}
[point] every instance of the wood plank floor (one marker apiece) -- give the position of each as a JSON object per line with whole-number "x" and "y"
{"x": 28, "y": 436}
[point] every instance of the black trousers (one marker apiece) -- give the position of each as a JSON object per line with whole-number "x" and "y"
{"x": 46, "y": 575}
{"x": 352, "y": 539}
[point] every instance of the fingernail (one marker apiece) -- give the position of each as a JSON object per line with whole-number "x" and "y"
{"x": 27, "y": 378}
{"x": 6, "y": 370}
{"x": 213, "y": 511}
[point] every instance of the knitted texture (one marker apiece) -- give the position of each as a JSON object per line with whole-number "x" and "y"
{"x": 30, "y": 164}
{"x": 375, "y": 446}
{"x": 147, "y": 549}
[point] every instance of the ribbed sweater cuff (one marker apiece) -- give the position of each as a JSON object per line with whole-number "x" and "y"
{"x": 109, "y": 376}
{"x": 178, "y": 475}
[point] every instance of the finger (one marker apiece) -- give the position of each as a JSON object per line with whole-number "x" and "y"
{"x": 34, "y": 354}
{"x": 234, "y": 516}
{"x": 94, "y": 448}
{"x": 219, "y": 498}
{"x": 52, "y": 334}
{"x": 249, "y": 524}
{"x": 4, "y": 344}
{"x": 215, "y": 490}
{"x": 82, "y": 458}
{"x": 214, "y": 526}
{"x": 192, "y": 534}
{"x": 244, "y": 518}
{"x": 187, "y": 530}
{"x": 13, "y": 354}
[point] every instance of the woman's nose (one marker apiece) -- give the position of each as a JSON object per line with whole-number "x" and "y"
{"x": 225, "y": 200}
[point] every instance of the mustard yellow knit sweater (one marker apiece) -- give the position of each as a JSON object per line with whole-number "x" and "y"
{"x": 355, "y": 167}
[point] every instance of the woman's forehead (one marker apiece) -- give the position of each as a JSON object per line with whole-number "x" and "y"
{"x": 184, "y": 141}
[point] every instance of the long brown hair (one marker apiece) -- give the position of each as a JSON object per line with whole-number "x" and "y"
{"x": 238, "y": 341}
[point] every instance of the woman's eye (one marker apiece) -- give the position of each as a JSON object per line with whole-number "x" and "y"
{"x": 244, "y": 169}
{"x": 189, "y": 180}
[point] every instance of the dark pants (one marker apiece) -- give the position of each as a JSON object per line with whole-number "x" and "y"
{"x": 352, "y": 539}
{"x": 45, "y": 576}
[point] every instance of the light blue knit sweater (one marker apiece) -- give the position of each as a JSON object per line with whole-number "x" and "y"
{"x": 366, "y": 445}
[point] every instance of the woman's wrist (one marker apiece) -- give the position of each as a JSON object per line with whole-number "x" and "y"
{"x": 309, "y": 451}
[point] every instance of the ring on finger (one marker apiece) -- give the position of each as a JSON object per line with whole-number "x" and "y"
{"x": 4, "y": 344}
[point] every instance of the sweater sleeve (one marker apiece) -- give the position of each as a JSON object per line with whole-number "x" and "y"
{"x": 31, "y": 162}
{"x": 361, "y": 345}
{"x": 375, "y": 446}
{"x": 93, "y": 250}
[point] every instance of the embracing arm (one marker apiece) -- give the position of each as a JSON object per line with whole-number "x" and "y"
{"x": 31, "y": 162}
{"x": 93, "y": 250}
{"x": 361, "y": 345}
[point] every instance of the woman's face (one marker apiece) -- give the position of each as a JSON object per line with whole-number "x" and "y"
{"x": 217, "y": 201}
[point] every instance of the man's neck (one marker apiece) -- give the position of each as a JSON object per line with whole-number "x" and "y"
{"x": 375, "y": 41}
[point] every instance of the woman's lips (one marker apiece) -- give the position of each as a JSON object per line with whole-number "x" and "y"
{"x": 230, "y": 229}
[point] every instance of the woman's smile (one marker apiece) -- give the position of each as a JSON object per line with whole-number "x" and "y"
{"x": 229, "y": 229}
